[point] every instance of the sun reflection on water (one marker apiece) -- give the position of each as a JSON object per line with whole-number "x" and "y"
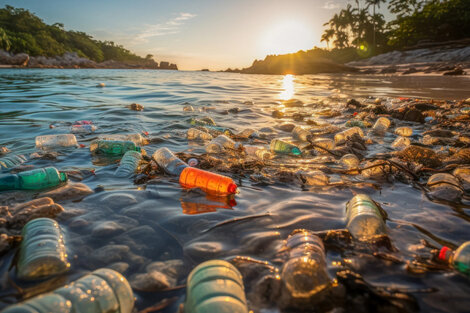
{"x": 288, "y": 86}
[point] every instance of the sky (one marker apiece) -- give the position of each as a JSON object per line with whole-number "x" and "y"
{"x": 195, "y": 34}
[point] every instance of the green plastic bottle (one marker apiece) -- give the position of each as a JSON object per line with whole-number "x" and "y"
{"x": 459, "y": 259}
{"x": 42, "y": 250}
{"x": 113, "y": 147}
{"x": 215, "y": 286}
{"x": 282, "y": 147}
{"x": 102, "y": 291}
{"x": 40, "y": 178}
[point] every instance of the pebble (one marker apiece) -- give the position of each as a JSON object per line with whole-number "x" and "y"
{"x": 108, "y": 228}
{"x": 110, "y": 254}
{"x": 71, "y": 191}
{"x": 203, "y": 250}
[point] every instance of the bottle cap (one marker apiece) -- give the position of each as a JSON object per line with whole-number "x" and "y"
{"x": 232, "y": 188}
{"x": 296, "y": 151}
{"x": 444, "y": 254}
{"x": 193, "y": 162}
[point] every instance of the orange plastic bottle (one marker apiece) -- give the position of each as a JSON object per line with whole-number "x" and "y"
{"x": 192, "y": 177}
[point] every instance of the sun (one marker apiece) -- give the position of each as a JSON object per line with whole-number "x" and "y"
{"x": 287, "y": 37}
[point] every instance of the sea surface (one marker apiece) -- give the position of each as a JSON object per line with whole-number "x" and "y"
{"x": 156, "y": 226}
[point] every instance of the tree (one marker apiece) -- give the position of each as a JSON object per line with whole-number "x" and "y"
{"x": 374, "y": 3}
{"x": 5, "y": 43}
{"x": 327, "y": 35}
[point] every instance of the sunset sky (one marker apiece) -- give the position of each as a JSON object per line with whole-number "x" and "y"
{"x": 213, "y": 34}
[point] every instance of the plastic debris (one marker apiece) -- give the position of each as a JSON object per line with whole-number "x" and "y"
{"x": 169, "y": 162}
{"x": 350, "y": 161}
{"x": 11, "y": 161}
{"x": 129, "y": 164}
{"x": 193, "y": 162}
{"x": 112, "y": 147}
{"x": 364, "y": 219}
{"x": 196, "y": 134}
{"x": 299, "y": 133}
{"x": 381, "y": 126}
{"x": 36, "y": 179}
{"x": 258, "y": 152}
{"x": 404, "y": 131}
{"x": 221, "y": 143}
{"x": 341, "y": 137}
{"x": 458, "y": 259}
{"x": 192, "y": 177}
{"x": 282, "y": 147}
{"x": 56, "y": 141}
{"x": 445, "y": 187}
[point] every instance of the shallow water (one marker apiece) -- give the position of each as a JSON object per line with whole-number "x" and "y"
{"x": 153, "y": 217}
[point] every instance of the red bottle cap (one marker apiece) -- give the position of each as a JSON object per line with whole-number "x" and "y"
{"x": 232, "y": 188}
{"x": 443, "y": 253}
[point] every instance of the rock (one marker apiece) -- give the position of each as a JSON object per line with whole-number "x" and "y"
{"x": 414, "y": 115}
{"x": 108, "y": 228}
{"x": 421, "y": 155}
{"x": 277, "y": 114}
{"x": 354, "y": 103}
{"x": 136, "y": 107}
{"x": 110, "y": 254}
{"x": 203, "y": 250}
{"x": 439, "y": 133}
{"x": 4, "y": 150}
{"x": 171, "y": 268}
{"x": 456, "y": 71}
{"x": 20, "y": 59}
{"x": 233, "y": 110}
{"x": 69, "y": 192}
{"x": 287, "y": 127}
{"x": 8, "y": 242}
{"x": 70, "y": 213}
{"x": 410, "y": 70}
{"x": 389, "y": 70}
{"x": 153, "y": 281}
{"x": 120, "y": 267}
{"x": 120, "y": 199}
{"x": 42, "y": 207}
{"x": 444, "y": 186}
{"x": 460, "y": 157}
{"x": 79, "y": 222}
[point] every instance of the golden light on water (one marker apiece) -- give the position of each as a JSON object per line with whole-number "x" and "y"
{"x": 288, "y": 87}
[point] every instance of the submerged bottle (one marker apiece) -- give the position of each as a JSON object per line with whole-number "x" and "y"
{"x": 11, "y": 161}
{"x": 196, "y": 134}
{"x": 215, "y": 286}
{"x": 221, "y": 143}
{"x": 248, "y": 133}
{"x": 282, "y": 147}
{"x": 445, "y": 187}
{"x": 404, "y": 131}
{"x": 112, "y": 147}
{"x": 192, "y": 177}
{"x": 401, "y": 142}
{"x": 102, "y": 291}
{"x": 458, "y": 259}
{"x": 128, "y": 165}
{"x": 350, "y": 161}
{"x": 381, "y": 126}
{"x": 169, "y": 162}
{"x": 56, "y": 141}
{"x": 258, "y": 152}
{"x": 324, "y": 143}
{"x": 42, "y": 251}
{"x": 36, "y": 179}
{"x": 299, "y": 133}
{"x": 304, "y": 274}
{"x": 341, "y": 137}
{"x": 364, "y": 219}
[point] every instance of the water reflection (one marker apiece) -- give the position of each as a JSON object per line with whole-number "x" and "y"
{"x": 288, "y": 86}
{"x": 197, "y": 204}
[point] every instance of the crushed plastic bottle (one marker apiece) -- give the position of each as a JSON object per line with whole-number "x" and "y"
{"x": 326, "y": 143}
{"x": 36, "y": 179}
{"x": 304, "y": 274}
{"x": 404, "y": 131}
{"x": 301, "y": 134}
{"x": 56, "y": 141}
{"x": 188, "y": 108}
{"x": 458, "y": 259}
{"x": 445, "y": 187}
{"x": 136, "y": 138}
{"x": 215, "y": 286}
{"x": 128, "y": 165}
{"x": 282, "y": 147}
{"x": 381, "y": 126}
{"x": 248, "y": 133}
{"x": 401, "y": 142}
{"x": 11, "y": 161}
{"x": 341, "y": 137}
{"x": 258, "y": 152}
{"x": 102, "y": 291}
{"x": 196, "y": 134}
{"x": 314, "y": 178}
{"x": 42, "y": 251}
{"x": 192, "y": 177}
{"x": 350, "y": 161}
{"x": 221, "y": 143}
{"x": 169, "y": 162}
{"x": 112, "y": 147}
{"x": 363, "y": 218}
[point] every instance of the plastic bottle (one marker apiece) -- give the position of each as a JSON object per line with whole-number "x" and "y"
{"x": 206, "y": 121}
{"x": 36, "y": 179}
{"x": 11, "y": 161}
{"x": 341, "y": 137}
{"x": 463, "y": 174}
{"x": 401, "y": 142}
{"x": 325, "y": 143}
{"x": 112, "y": 147}
{"x": 299, "y": 133}
{"x": 128, "y": 165}
{"x": 357, "y": 123}
{"x": 102, "y": 291}
{"x": 258, "y": 152}
{"x": 196, "y": 134}
{"x": 364, "y": 219}
{"x": 458, "y": 259}
{"x": 381, "y": 126}
{"x": 350, "y": 161}
{"x": 304, "y": 274}
{"x": 219, "y": 130}
{"x": 215, "y": 286}
{"x": 192, "y": 177}
{"x": 42, "y": 250}
{"x": 56, "y": 141}
{"x": 220, "y": 143}
{"x": 404, "y": 131}
{"x": 135, "y": 138}
{"x": 248, "y": 133}
{"x": 282, "y": 147}
{"x": 314, "y": 178}
{"x": 445, "y": 187}
{"x": 169, "y": 162}
{"x": 83, "y": 128}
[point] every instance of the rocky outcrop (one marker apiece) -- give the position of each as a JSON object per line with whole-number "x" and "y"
{"x": 20, "y": 59}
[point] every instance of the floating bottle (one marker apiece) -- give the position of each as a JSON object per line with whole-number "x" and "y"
{"x": 102, "y": 291}
{"x": 248, "y": 133}
{"x": 404, "y": 131}
{"x": 82, "y": 128}
{"x": 341, "y": 137}
{"x": 357, "y": 123}
{"x": 215, "y": 286}
{"x": 458, "y": 259}
{"x": 299, "y": 133}
{"x": 314, "y": 178}
{"x": 112, "y": 147}
{"x": 401, "y": 142}
{"x": 217, "y": 130}
{"x": 42, "y": 251}
{"x": 350, "y": 161}
{"x": 196, "y": 134}
{"x": 445, "y": 187}
{"x": 188, "y": 108}
{"x": 56, "y": 141}
{"x": 282, "y": 147}
{"x": 40, "y": 178}
{"x": 258, "y": 152}
{"x": 128, "y": 165}
{"x": 304, "y": 273}
{"x": 11, "y": 161}
{"x": 364, "y": 219}
{"x": 206, "y": 121}
{"x": 136, "y": 138}
{"x": 221, "y": 143}
{"x": 327, "y": 143}
{"x": 381, "y": 126}
{"x": 169, "y": 162}
{"x": 192, "y": 177}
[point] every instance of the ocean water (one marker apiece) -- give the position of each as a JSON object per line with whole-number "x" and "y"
{"x": 154, "y": 219}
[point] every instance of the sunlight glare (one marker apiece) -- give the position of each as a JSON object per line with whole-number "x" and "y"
{"x": 288, "y": 86}
{"x": 287, "y": 37}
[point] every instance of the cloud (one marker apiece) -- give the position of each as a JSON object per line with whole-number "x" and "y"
{"x": 331, "y": 5}
{"x": 169, "y": 27}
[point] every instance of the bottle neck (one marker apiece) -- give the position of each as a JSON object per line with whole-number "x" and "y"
{"x": 446, "y": 254}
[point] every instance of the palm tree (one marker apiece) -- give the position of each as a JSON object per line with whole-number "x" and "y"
{"x": 374, "y": 3}
{"x": 327, "y": 35}
{"x": 4, "y": 41}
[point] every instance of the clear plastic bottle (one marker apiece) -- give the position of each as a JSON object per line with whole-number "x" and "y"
{"x": 381, "y": 126}
{"x": 363, "y": 218}
{"x": 136, "y": 138}
{"x": 401, "y": 142}
{"x": 283, "y": 147}
{"x": 341, "y": 137}
{"x": 209, "y": 182}
{"x": 299, "y": 133}
{"x": 169, "y": 162}
{"x": 196, "y": 134}
{"x": 221, "y": 143}
{"x": 206, "y": 121}
{"x": 56, "y": 141}
{"x": 128, "y": 165}
{"x": 304, "y": 273}
{"x": 83, "y": 128}
{"x": 215, "y": 286}
{"x": 102, "y": 291}
{"x": 445, "y": 187}
{"x": 325, "y": 143}
{"x": 258, "y": 152}
{"x": 112, "y": 147}
{"x": 404, "y": 131}
{"x": 42, "y": 251}
{"x": 350, "y": 161}
{"x": 11, "y": 161}
{"x": 248, "y": 133}
{"x": 314, "y": 178}
{"x": 458, "y": 259}
{"x": 36, "y": 179}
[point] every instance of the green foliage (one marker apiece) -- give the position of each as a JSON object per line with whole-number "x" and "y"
{"x": 5, "y": 42}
